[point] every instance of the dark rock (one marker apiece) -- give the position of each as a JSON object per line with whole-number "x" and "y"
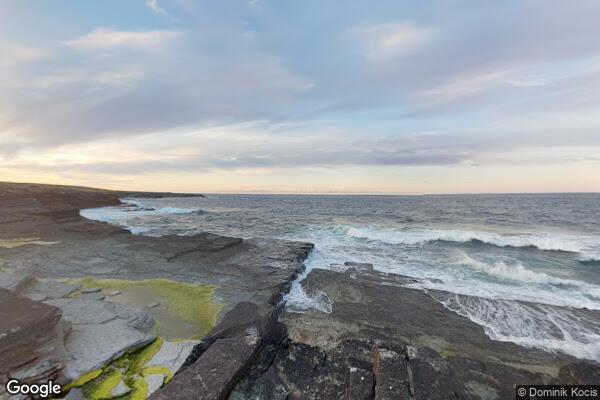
{"x": 359, "y": 266}
{"x": 29, "y": 331}
{"x": 236, "y": 322}
{"x": 314, "y": 373}
{"x": 391, "y": 372}
{"x": 228, "y": 351}
{"x": 580, "y": 373}
{"x": 384, "y": 340}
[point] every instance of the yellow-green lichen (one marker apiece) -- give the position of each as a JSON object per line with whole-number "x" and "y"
{"x": 156, "y": 370}
{"x": 83, "y": 379}
{"x": 130, "y": 369}
{"x": 12, "y": 243}
{"x": 102, "y": 387}
{"x": 140, "y": 358}
{"x": 139, "y": 389}
{"x": 185, "y": 311}
{"x": 447, "y": 353}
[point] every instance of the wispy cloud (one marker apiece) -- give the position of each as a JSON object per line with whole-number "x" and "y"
{"x": 464, "y": 86}
{"x": 381, "y": 42}
{"x": 106, "y": 38}
{"x": 13, "y": 53}
{"x": 154, "y": 6}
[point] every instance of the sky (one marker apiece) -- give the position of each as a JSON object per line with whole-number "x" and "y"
{"x": 256, "y": 96}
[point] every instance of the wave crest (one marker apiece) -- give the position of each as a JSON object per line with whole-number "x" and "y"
{"x": 566, "y": 243}
{"x": 514, "y": 271}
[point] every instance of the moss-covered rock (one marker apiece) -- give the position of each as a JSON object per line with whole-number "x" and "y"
{"x": 129, "y": 372}
{"x": 184, "y": 311}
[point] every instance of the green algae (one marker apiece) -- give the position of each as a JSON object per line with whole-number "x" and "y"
{"x": 181, "y": 306}
{"x": 140, "y": 358}
{"x": 139, "y": 390}
{"x": 83, "y": 379}
{"x": 447, "y": 353}
{"x": 12, "y": 243}
{"x": 186, "y": 311}
{"x": 130, "y": 369}
{"x": 102, "y": 387}
{"x": 157, "y": 370}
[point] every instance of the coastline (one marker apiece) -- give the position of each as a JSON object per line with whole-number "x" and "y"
{"x": 45, "y": 241}
{"x": 377, "y": 326}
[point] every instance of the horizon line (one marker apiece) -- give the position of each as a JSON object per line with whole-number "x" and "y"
{"x": 306, "y": 193}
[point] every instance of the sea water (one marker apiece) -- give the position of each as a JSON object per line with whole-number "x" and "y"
{"x": 525, "y": 267}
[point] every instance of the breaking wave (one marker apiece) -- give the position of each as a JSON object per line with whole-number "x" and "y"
{"x": 514, "y": 271}
{"x": 555, "y": 329}
{"x": 130, "y": 215}
{"x": 137, "y": 206}
{"x": 567, "y": 243}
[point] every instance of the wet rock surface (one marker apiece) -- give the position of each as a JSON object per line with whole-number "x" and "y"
{"x": 384, "y": 340}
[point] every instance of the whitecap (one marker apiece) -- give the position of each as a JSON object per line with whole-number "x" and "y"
{"x": 555, "y": 329}
{"x": 513, "y": 270}
{"x": 551, "y": 242}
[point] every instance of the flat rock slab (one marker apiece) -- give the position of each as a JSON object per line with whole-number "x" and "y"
{"x": 15, "y": 281}
{"x": 91, "y": 346}
{"x": 93, "y": 296}
{"x": 255, "y": 270}
{"x": 27, "y": 328}
{"x": 100, "y": 333}
{"x": 172, "y": 355}
{"x": 90, "y": 290}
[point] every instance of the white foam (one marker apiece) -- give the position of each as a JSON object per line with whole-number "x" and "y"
{"x": 297, "y": 300}
{"x": 104, "y": 214}
{"x": 454, "y": 272}
{"x": 550, "y": 328}
{"x": 514, "y": 271}
{"x": 556, "y": 242}
{"x": 174, "y": 210}
{"x": 145, "y": 209}
{"x": 126, "y": 215}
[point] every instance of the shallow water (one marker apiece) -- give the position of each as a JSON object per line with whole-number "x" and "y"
{"x": 538, "y": 248}
{"x": 181, "y": 311}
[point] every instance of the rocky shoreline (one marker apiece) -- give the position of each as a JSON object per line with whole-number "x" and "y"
{"x": 381, "y": 340}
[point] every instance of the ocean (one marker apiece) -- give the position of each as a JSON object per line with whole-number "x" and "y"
{"x": 523, "y": 266}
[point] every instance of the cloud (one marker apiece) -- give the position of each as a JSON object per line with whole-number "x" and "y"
{"x": 381, "y": 42}
{"x": 361, "y": 88}
{"x": 236, "y": 148}
{"x": 14, "y": 54}
{"x": 464, "y": 86}
{"x": 107, "y": 38}
{"x": 154, "y": 6}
